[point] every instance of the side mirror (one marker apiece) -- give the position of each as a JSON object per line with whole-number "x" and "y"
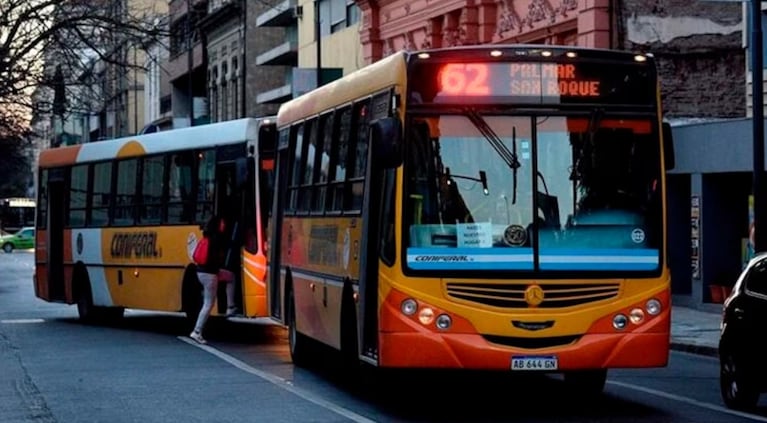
{"x": 668, "y": 147}
{"x": 386, "y": 138}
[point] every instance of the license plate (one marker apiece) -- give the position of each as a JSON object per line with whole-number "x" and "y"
{"x": 534, "y": 362}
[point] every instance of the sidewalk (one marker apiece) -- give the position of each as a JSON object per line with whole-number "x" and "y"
{"x": 695, "y": 331}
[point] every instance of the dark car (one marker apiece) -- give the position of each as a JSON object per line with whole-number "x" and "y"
{"x": 743, "y": 370}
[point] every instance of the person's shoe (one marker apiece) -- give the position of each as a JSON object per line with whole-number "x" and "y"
{"x": 232, "y": 311}
{"x": 197, "y": 336}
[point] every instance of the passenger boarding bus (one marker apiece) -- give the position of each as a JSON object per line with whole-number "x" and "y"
{"x": 16, "y": 213}
{"x": 118, "y": 220}
{"x": 486, "y": 207}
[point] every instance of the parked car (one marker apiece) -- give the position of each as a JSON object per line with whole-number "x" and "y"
{"x": 742, "y": 368}
{"x": 23, "y": 239}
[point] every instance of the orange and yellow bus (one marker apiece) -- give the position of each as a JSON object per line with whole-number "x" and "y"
{"x": 117, "y": 220}
{"x": 484, "y": 207}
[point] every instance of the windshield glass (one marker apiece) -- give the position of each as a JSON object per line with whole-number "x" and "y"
{"x": 561, "y": 193}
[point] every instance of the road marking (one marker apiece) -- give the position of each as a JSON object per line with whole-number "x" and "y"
{"x": 280, "y": 383}
{"x": 13, "y": 321}
{"x": 686, "y": 400}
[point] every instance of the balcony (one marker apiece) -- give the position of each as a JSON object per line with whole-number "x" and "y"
{"x": 277, "y": 95}
{"x": 178, "y": 8}
{"x": 178, "y": 65}
{"x": 281, "y": 15}
{"x": 285, "y": 54}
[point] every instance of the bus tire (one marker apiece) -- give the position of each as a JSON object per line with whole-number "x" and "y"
{"x": 191, "y": 295}
{"x": 87, "y": 312}
{"x": 587, "y": 382}
{"x": 8, "y": 247}
{"x": 300, "y": 350}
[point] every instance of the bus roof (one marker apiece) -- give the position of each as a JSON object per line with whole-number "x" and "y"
{"x": 384, "y": 73}
{"x": 202, "y": 136}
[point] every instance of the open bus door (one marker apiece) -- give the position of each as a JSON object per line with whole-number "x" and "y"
{"x": 229, "y": 206}
{"x": 275, "y": 301}
{"x": 55, "y": 235}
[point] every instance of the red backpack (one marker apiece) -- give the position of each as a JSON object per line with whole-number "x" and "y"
{"x": 200, "y": 254}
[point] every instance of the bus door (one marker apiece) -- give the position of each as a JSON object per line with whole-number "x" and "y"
{"x": 55, "y": 234}
{"x": 229, "y": 206}
{"x": 274, "y": 289}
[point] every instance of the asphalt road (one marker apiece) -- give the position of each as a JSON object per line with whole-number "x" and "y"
{"x": 144, "y": 369}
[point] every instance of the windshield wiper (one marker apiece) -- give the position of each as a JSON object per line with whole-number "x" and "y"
{"x": 493, "y": 138}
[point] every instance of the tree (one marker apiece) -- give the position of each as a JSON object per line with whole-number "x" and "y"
{"x": 15, "y": 174}
{"x": 38, "y": 36}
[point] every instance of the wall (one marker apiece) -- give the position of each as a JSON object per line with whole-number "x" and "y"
{"x": 698, "y": 46}
{"x": 261, "y": 78}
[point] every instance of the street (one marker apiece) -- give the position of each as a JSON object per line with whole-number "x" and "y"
{"x": 55, "y": 369}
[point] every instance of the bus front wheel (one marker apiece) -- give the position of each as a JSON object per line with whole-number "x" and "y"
{"x": 299, "y": 344}
{"x": 587, "y": 382}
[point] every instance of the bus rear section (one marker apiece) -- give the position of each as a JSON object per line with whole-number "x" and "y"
{"x": 118, "y": 220}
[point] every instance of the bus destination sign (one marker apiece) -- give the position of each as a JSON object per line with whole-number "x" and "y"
{"x": 535, "y": 83}
{"x": 516, "y": 79}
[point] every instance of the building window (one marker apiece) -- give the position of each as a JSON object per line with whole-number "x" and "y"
{"x": 336, "y": 15}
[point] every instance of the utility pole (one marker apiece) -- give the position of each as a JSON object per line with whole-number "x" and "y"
{"x": 189, "y": 61}
{"x": 757, "y": 94}
{"x": 318, "y": 36}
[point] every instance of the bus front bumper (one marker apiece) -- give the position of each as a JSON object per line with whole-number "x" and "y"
{"x": 406, "y": 343}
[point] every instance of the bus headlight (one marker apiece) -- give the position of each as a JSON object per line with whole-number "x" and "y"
{"x": 409, "y": 307}
{"x": 653, "y": 307}
{"x": 636, "y": 316}
{"x": 444, "y": 322}
{"x": 620, "y": 321}
{"x": 426, "y": 316}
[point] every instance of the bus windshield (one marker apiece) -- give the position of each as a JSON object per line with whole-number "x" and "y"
{"x": 583, "y": 193}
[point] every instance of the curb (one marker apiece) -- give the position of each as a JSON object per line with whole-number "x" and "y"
{"x": 696, "y": 349}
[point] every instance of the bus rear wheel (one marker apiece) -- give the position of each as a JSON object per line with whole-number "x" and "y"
{"x": 300, "y": 350}
{"x": 85, "y": 308}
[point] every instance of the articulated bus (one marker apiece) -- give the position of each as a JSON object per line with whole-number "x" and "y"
{"x": 485, "y": 207}
{"x": 117, "y": 220}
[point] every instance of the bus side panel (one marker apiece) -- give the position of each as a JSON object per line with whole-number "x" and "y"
{"x": 317, "y": 249}
{"x": 134, "y": 267}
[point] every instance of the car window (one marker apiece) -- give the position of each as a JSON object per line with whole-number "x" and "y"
{"x": 27, "y": 233}
{"x": 756, "y": 278}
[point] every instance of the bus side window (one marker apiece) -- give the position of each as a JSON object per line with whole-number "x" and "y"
{"x": 206, "y": 180}
{"x": 180, "y": 198}
{"x": 359, "y": 167}
{"x": 125, "y": 201}
{"x": 339, "y": 160}
{"x": 78, "y": 193}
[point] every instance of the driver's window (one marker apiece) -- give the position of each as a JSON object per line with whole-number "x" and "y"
{"x": 756, "y": 279}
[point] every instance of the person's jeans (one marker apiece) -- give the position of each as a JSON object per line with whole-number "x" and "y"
{"x": 209, "y": 283}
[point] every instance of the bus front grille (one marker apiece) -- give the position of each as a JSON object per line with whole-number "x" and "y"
{"x": 532, "y": 343}
{"x": 508, "y": 295}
